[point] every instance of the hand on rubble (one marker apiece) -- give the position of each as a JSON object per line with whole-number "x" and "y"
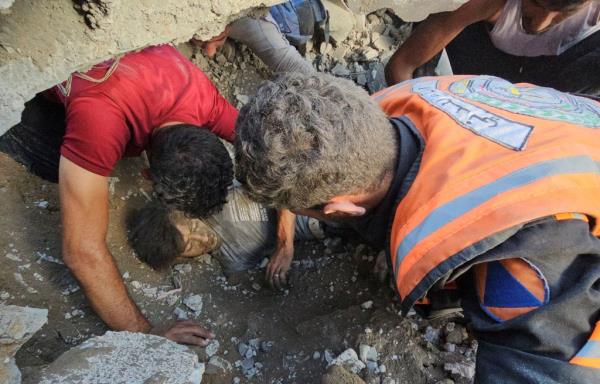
{"x": 185, "y": 332}
{"x": 278, "y": 267}
{"x": 211, "y": 46}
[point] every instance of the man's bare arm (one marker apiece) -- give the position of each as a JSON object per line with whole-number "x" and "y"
{"x": 280, "y": 261}
{"x": 84, "y": 212}
{"x": 433, "y": 34}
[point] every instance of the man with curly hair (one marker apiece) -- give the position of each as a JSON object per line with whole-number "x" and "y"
{"x": 469, "y": 180}
{"x": 156, "y": 101}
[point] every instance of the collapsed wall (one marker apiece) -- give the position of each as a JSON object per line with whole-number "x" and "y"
{"x": 42, "y": 42}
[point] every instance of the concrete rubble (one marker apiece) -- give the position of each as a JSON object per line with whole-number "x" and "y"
{"x": 125, "y": 357}
{"x": 73, "y": 35}
{"x": 17, "y": 326}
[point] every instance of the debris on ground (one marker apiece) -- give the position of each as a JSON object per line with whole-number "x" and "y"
{"x": 124, "y": 358}
{"x": 17, "y": 326}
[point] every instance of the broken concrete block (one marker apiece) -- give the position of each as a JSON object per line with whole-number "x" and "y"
{"x": 194, "y": 302}
{"x": 17, "y": 325}
{"x": 341, "y": 19}
{"x": 349, "y": 360}
{"x": 368, "y": 353}
{"x": 125, "y": 357}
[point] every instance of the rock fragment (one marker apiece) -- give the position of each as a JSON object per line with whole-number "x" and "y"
{"x": 17, "y": 326}
{"x": 194, "y": 302}
{"x": 125, "y": 357}
{"x": 349, "y": 360}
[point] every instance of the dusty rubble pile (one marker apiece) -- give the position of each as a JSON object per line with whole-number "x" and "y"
{"x": 361, "y": 54}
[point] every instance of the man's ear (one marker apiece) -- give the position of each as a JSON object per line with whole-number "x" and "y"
{"x": 345, "y": 207}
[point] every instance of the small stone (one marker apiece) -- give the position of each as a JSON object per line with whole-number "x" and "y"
{"x": 367, "y": 304}
{"x": 183, "y": 268}
{"x": 256, "y": 286}
{"x": 194, "y": 302}
{"x": 236, "y": 380}
{"x": 368, "y": 353}
{"x": 212, "y": 348}
{"x": 180, "y": 314}
{"x": 242, "y": 349}
{"x": 243, "y": 99}
{"x": 456, "y": 336}
{"x": 247, "y": 363}
{"x": 220, "y": 59}
{"x": 340, "y": 70}
{"x": 382, "y": 368}
{"x": 150, "y": 292}
{"x": 266, "y": 346}
{"x": 432, "y": 334}
{"x": 328, "y": 356}
{"x": 349, "y": 360}
{"x": 316, "y": 355}
{"x": 337, "y": 375}
{"x": 369, "y": 53}
{"x": 465, "y": 370}
{"x": 136, "y": 284}
{"x": 450, "y": 347}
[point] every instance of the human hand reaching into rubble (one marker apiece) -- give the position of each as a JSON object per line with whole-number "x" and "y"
{"x": 210, "y": 47}
{"x": 185, "y": 332}
{"x": 281, "y": 259}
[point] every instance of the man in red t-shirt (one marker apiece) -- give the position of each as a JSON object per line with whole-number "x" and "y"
{"x": 154, "y": 100}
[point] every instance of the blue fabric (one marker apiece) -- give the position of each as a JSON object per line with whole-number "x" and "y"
{"x": 469, "y": 201}
{"x": 590, "y": 349}
{"x": 503, "y": 290}
{"x": 288, "y": 21}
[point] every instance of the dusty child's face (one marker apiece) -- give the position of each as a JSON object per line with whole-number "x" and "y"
{"x": 197, "y": 237}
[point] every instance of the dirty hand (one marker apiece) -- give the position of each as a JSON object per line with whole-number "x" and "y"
{"x": 278, "y": 267}
{"x": 186, "y": 332}
{"x": 211, "y": 46}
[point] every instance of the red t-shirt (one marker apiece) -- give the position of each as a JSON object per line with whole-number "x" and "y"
{"x": 113, "y": 119}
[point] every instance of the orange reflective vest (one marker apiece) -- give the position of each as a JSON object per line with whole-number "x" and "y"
{"x": 496, "y": 155}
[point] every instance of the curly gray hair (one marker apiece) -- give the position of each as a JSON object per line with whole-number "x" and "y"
{"x": 306, "y": 138}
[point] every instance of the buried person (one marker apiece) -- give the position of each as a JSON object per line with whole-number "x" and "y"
{"x": 552, "y": 43}
{"x": 244, "y": 232}
{"x": 154, "y": 100}
{"x": 472, "y": 180}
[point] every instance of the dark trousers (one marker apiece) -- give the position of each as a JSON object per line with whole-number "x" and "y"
{"x": 536, "y": 347}
{"x": 35, "y": 142}
{"x": 577, "y": 70}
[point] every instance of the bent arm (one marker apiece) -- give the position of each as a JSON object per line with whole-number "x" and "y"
{"x": 433, "y": 34}
{"x": 84, "y": 214}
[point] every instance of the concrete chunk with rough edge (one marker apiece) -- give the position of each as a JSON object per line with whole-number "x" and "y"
{"x": 17, "y": 326}
{"x": 43, "y": 42}
{"x": 125, "y": 358}
{"x": 407, "y": 10}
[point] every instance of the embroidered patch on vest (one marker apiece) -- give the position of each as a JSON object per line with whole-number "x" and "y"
{"x": 509, "y": 288}
{"x": 540, "y": 102}
{"x": 508, "y": 133}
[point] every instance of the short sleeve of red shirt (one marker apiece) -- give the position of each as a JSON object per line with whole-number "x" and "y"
{"x": 96, "y": 135}
{"x": 223, "y": 117}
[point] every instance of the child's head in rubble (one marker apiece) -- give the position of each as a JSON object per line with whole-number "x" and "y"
{"x": 191, "y": 171}
{"x": 159, "y": 235}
